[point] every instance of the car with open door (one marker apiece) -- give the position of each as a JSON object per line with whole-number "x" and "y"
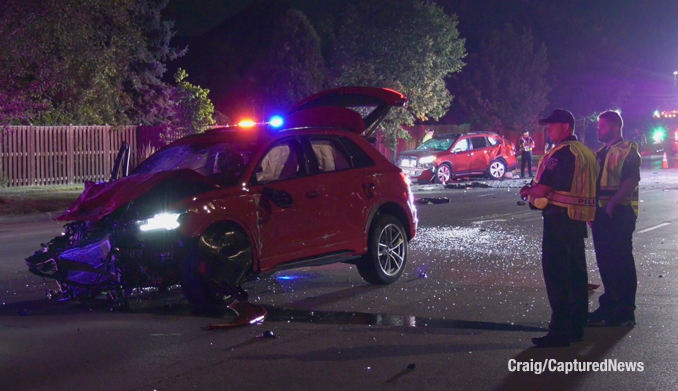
{"x": 213, "y": 209}
{"x": 449, "y": 156}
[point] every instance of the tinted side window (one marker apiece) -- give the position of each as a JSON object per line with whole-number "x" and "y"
{"x": 478, "y": 142}
{"x": 358, "y": 156}
{"x": 461, "y": 145}
{"x": 283, "y": 161}
{"x": 329, "y": 154}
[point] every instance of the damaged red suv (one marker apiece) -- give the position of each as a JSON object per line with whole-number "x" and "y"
{"x": 213, "y": 209}
{"x": 447, "y": 156}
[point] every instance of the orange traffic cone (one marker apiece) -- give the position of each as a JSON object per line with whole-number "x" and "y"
{"x": 665, "y": 162}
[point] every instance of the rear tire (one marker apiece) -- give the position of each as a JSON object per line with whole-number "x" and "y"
{"x": 497, "y": 169}
{"x": 386, "y": 255}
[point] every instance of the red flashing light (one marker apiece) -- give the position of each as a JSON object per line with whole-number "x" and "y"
{"x": 246, "y": 123}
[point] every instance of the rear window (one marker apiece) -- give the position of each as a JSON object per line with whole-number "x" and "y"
{"x": 478, "y": 142}
{"x": 493, "y": 140}
{"x": 329, "y": 154}
{"x": 359, "y": 158}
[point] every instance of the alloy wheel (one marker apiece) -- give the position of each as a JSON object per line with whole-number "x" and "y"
{"x": 443, "y": 173}
{"x": 497, "y": 170}
{"x": 392, "y": 247}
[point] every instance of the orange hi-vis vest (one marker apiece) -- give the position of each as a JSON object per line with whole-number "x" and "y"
{"x": 610, "y": 181}
{"x": 580, "y": 201}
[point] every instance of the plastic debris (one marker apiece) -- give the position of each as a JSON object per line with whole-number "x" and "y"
{"x": 412, "y": 366}
{"x": 520, "y": 202}
{"x": 267, "y": 334}
{"x": 434, "y": 200}
{"x": 246, "y": 314}
{"x": 661, "y": 275}
{"x": 423, "y": 275}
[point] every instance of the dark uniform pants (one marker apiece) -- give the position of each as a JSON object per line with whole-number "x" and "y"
{"x": 526, "y": 158}
{"x": 612, "y": 239}
{"x": 564, "y": 264}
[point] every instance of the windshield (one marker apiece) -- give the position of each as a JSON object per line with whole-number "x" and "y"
{"x": 223, "y": 162}
{"x": 437, "y": 144}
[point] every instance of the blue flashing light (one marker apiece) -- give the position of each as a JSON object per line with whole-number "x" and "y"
{"x": 276, "y": 121}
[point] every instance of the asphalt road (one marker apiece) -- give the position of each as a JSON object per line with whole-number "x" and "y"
{"x": 470, "y": 301}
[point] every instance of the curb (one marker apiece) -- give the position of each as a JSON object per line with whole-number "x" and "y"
{"x": 27, "y": 218}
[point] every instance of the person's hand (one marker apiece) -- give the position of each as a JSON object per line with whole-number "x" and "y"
{"x": 609, "y": 209}
{"x": 523, "y": 191}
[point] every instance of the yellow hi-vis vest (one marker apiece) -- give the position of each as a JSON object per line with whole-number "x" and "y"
{"x": 580, "y": 201}
{"x": 610, "y": 181}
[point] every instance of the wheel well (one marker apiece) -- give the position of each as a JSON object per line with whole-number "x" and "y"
{"x": 397, "y": 211}
{"x": 229, "y": 224}
{"x": 224, "y": 225}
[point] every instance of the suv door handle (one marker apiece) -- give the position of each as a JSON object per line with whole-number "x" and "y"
{"x": 313, "y": 194}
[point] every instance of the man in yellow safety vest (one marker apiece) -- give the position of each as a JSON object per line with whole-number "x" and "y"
{"x": 564, "y": 189}
{"x": 616, "y": 213}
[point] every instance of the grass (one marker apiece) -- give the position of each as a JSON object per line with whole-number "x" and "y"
{"x": 37, "y": 199}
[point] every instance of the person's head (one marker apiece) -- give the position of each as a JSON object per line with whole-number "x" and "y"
{"x": 610, "y": 125}
{"x": 429, "y": 132}
{"x": 560, "y": 125}
{"x": 526, "y": 134}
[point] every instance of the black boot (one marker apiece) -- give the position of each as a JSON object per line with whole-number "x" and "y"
{"x": 552, "y": 340}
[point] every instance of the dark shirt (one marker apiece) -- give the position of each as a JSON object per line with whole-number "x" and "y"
{"x": 558, "y": 175}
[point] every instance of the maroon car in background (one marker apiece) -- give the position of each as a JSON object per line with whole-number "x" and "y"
{"x": 447, "y": 156}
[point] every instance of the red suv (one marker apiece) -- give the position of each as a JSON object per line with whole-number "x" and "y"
{"x": 447, "y": 156}
{"x": 210, "y": 210}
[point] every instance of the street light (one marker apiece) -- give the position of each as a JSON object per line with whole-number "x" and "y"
{"x": 674, "y": 78}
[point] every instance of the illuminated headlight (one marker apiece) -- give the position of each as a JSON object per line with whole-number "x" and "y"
{"x": 427, "y": 160}
{"x": 166, "y": 221}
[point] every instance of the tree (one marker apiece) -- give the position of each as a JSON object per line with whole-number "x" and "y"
{"x": 192, "y": 109}
{"x": 83, "y": 61}
{"x": 409, "y": 45}
{"x": 292, "y": 67}
{"x": 505, "y": 88}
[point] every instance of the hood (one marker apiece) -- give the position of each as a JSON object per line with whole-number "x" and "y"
{"x": 100, "y": 199}
{"x": 419, "y": 152}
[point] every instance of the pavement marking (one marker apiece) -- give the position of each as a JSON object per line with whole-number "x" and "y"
{"x": 653, "y": 227}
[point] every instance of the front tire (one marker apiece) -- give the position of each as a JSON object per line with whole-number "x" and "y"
{"x": 443, "y": 174}
{"x": 386, "y": 255}
{"x": 207, "y": 276}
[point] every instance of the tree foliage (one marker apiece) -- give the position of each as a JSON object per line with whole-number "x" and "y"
{"x": 86, "y": 62}
{"x": 292, "y": 67}
{"x": 192, "y": 109}
{"x": 505, "y": 87}
{"x": 409, "y": 45}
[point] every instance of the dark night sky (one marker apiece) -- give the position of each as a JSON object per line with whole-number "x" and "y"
{"x": 646, "y": 29}
{"x": 649, "y": 27}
